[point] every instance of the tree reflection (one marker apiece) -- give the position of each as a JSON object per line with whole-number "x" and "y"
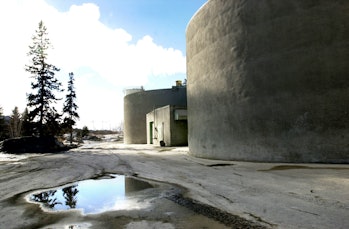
{"x": 46, "y": 198}
{"x": 69, "y": 194}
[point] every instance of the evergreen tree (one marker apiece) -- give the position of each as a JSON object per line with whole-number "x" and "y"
{"x": 44, "y": 83}
{"x": 85, "y": 131}
{"x": 70, "y": 107}
{"x": 2, "y": 126}
{"x": 53, "y": 124}
{"x": 15, "y": 123}
{"x": 27, "y": 125}
{"x": 2, "y": 121}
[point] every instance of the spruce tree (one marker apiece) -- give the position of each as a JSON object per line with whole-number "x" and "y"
{"x": 70, "y": 107}
{"x": 15, "y": 123}
{"x": 3, "y": 129}
{"x": 45, "y": 83}
{"x": 27, "y": 125}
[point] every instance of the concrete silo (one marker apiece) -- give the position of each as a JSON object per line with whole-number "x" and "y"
{"x": 268, "y": 80}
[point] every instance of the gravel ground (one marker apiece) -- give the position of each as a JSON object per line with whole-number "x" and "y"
{"x": 194, "y": 193}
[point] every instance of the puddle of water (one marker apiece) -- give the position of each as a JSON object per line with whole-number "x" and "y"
{"x": 96, "y": 196}
{"x": 156, "y": 205}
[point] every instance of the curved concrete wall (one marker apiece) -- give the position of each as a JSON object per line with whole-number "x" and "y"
{"x": 268, "y": 80}
{"x": 137, "y": 105}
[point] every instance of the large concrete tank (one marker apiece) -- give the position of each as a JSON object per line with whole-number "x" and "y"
{"x": 137, "y": 105}
{"x": 268, "y": 80}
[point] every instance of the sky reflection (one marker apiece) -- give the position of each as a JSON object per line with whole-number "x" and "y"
{"x": 95, "y": 196}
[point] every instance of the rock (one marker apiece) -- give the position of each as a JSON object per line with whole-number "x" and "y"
{"x": 31, "y": 144}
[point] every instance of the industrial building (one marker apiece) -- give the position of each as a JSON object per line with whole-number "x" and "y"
{"x": 267, "y": 81}
{"x": 167, "y": 126}
{"x": 138, "y": 103}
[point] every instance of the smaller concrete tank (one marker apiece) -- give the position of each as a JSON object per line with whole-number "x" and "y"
{"x": 138, "y": 104}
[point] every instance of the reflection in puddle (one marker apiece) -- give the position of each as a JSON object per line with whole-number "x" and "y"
{"x": 142, "y": 205}
{"x": 96, "y": 196}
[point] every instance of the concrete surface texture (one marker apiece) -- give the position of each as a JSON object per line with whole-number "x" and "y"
{"x": 268, "y": 80}
{"x": 137, "y": 105}
{"x": 270, "y": 194}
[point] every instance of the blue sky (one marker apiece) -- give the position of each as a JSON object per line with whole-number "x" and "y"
{"x": 164, "y": 20}
{"x": 109, "y": 45}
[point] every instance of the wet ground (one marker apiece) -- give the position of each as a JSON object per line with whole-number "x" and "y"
{"x": 166, "y": 188}
{"x": 93, "y": 196}
{"x": 118, "y": 194}
{"x": 37, "y": 195}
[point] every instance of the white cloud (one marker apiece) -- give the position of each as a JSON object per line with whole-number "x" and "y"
{"x": 99, "y": 56}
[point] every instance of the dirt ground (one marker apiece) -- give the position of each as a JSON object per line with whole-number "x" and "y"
{"x": 214, "y": 194}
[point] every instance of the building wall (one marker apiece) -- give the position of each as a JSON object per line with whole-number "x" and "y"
{"x": 268, "y": 80}
{"x": 165, "y": 128}
{"x": 179, "y": 129}
{"x": 137, "y": 105}
{"x": 161, "y": 118}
